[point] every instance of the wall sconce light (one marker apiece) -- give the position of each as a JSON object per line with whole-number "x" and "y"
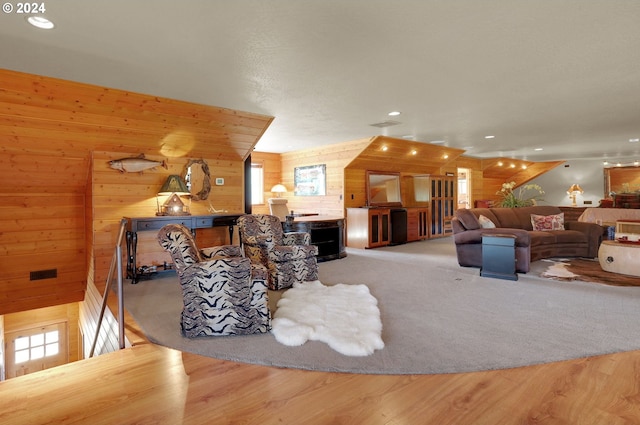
{"x": 279, "y": 189}
{"x": 175, "y": 187}
{"x": 573, "y": 192}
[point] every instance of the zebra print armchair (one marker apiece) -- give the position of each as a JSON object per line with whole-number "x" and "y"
{"x": 289, "y": 257}
{"x": 223, "y": 293}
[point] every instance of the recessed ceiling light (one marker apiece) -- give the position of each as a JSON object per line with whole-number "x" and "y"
{"x": 634, "y": 140}
{"x": 538, "y": 149}
{"x": 524, "y": 167}
{"x": 445, "y": 156}
{"x": 384, "y": 148}
{"x": 394, "y": 113}
{"x": 414, "y": 152}
{"x": 499, "y": 163}
{"x": 40, "y": 22}
{"x": 489, "y": 137}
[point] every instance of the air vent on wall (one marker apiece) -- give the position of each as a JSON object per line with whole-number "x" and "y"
{"x": 43, "y": 274}
{"x": 384, "y": 124}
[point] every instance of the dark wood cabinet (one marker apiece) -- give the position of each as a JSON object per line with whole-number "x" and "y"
{"x": 326, "y": 233}
{"x": 443, "y": 198}
{"x": 417, "y": 224}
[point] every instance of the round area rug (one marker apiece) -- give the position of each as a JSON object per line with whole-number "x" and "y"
{"x": 437, "y": 317}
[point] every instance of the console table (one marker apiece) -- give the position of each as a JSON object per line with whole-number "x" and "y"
{"x": 193, "y": 222}
{"x": 327, "y": 233}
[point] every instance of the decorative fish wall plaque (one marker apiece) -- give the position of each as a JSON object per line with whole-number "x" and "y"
{"x": 135, "y": 164}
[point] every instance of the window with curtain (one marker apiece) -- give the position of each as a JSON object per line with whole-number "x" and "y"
{"x": 257, "y": 184}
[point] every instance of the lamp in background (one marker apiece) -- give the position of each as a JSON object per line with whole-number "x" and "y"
{"x": 175, "y": 187}
{"x": 573, "y": 192}
{"x": 279, "y": 189}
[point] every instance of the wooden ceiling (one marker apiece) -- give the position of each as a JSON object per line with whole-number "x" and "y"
{"x": 386, "y": 153}
{"x": 507, "y": 169}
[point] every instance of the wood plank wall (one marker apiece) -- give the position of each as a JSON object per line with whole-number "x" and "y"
{"x": 41, "y": 231}
{"x": 117, "y": 195}
{"x": 336, "y": 157}
{"x": 62, "y": 204}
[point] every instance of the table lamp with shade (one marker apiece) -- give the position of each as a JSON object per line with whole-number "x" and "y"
{"x": 279, "y": 189}
{"x": 573, "y": 192}
{"x": 174, "y": 187}
{"x": 278, "y": 205}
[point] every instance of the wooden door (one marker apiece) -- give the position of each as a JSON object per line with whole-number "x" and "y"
{"x": 35, "y": 349}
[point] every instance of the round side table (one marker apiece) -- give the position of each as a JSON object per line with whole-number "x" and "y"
{"x": 616, "y": 257}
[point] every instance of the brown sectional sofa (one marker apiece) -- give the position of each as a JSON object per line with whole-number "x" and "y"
{"x": 577, "y": 240}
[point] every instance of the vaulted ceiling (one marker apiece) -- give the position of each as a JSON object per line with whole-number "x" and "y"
{"x": 551, "y": 80}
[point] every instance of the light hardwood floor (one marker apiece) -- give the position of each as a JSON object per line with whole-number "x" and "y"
{"x": 149, "y": 384}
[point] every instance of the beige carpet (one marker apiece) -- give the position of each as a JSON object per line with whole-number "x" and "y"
{"x": 586, "y": 270}
{"x": 437, "y": 317}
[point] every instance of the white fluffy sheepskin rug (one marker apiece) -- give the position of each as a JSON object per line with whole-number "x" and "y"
{"x": 344, "y": 316}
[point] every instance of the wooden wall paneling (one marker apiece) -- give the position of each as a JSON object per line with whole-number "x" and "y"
{"x": 20, "y": 173}
{"x": 40, "y": 232}
{"x": 354, "y": 188}
{"x": 117, "y": 195}
{"x": 124, "y": 117}
{"x": 43, "y": 228}
{"x": 477, "y": 187}
{"x": 336, "y": 158}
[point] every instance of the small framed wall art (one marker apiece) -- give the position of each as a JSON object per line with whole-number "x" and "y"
{"x": 310, "y": 180}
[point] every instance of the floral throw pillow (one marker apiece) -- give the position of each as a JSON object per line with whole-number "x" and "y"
{"x": 547, "y": 222}
{"x": 486, "y": 222}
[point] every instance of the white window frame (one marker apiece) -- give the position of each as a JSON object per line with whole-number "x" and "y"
{"x": 257, "y": 183}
